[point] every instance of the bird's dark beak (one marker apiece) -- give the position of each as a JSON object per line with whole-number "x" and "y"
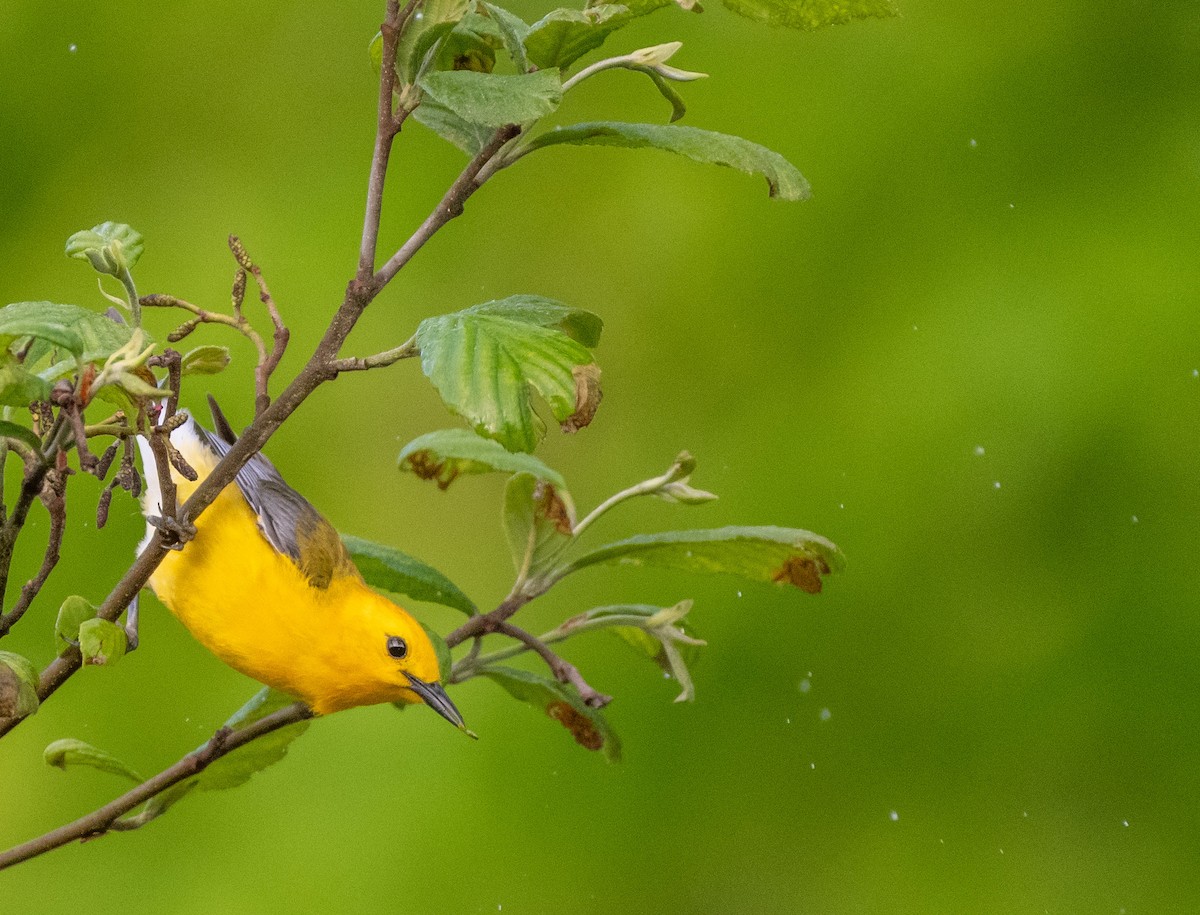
{"x": 435, "y": 697}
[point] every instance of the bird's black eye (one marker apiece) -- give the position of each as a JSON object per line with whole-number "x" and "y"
{"x": 397, "y": 647}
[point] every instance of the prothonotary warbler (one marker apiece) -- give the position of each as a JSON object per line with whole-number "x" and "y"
{"x": 267, "y": 586}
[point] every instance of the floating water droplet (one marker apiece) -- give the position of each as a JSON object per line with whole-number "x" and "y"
{"x": 894, "y": 816}
{"x": 1012, "y": 206}
{"x": 739, "y": 593}
{"x": 72, "y": 48}
{"x": 1124, "y": 822}
{"x": 1024, "y": 813}
{"x": 973, "y": 143}
{"x": 805, "y": 685}
{"x": 788, "y": 720}
{"x": 914, "y": 327}
{"x": 1002, "y": 851}
{"x": 826, "y": 714}
{"x": 1133, "y": 518}
{"x": 979, "y": 451}
{"x": 812, "y": 765}
{"x": 1196, "y": 373}
{"x": 841, "y": 505}
{"x": 996, "y": 484}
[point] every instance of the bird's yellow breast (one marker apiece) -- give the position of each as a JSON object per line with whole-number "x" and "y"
{"x": 254, "y": 609}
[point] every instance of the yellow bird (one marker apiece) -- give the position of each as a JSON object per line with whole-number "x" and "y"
{"x": 267, "y": 586}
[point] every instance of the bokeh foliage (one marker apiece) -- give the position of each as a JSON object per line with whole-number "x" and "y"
{"x": 1006, "y": 668}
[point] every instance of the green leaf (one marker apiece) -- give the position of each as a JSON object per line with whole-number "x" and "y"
{"x": 706, "y": 146}
{"x": 101, "y": 642}
{"x": 18, "y": 686}
{"x": 42, "y": 320}
{"x": 485, "y": 362}
{"x": 18, "y": 386}
{"x": 375, "y": 52}
{"x": 237, "y": 767}
{"x": 470, "y": 45}
{"x": 442, "y": 650}
{"x": 111, "y": 247}
{"x": 390, "y": 570}
{"x": 769, "y": 554}
{"x": 437, "y": 18}
{"x": 587, "y": 725}
{"x": 539, "y": 518}
{"x": 20, "y": 434}
{"x": 448, "y": 453}
{"x": 74, "y": 611}
{"x": 662, "y": 636}
{"x": 468, "y": 137}
{"x": 809, "y": 15}
{"x": 98, "y": 334}
{"x": 492, "y": 99}
{"x": 561, "y": 37}
{"x": 70, "y": 752}
{"x": 205, "y": 360}
{"x": 513, "y": 30}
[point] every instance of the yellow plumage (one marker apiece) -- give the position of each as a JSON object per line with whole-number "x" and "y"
{"x": 308, "y": 626}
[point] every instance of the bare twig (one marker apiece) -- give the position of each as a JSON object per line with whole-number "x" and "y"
{"x": 406, "y": 350}
{"x": 53, "y": 497}
{"x": 267, "y": 363}
{"x": 564, "y": 671}
{"x": 96, "y": 824}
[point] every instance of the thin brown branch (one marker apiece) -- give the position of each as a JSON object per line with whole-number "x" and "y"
{"x": 564, "y": 671}
{"x": 406, "y": 350}
{"x": 99, "y": 822}
{"x": 53, "y": 496}
{"x": 267, "y": 363}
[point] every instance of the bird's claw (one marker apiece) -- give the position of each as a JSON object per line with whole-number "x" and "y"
{"x": 175, "y": 533}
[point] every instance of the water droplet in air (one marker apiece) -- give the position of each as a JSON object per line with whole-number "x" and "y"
{"x": 1196, "y": 373}
{"x": 739, "y": 593}
{"x": 979, "y": 451}
{"x": 812, "y": 765}
{"x": 841, "y": 505}
{"x": 996, "y": 484}
{"x": 973, "y": 143}
{"x": 1011, "y": 206}
{"x": 826, "y": 714}
{"x": 788, "y": 720}
{"x": 914, "y": 327}
{"x": 805, "y": 685}
{"x": 1133, "y": 518}
{"x": 1124, "y": 822}
{"x": 894, "y": 816}
{"x": 72, "y": 48}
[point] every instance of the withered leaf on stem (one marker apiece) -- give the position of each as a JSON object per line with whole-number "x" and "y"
{"x": 587, "y": 397}
{"x": 582, "y": 729}
{"x": 803, "y": 572}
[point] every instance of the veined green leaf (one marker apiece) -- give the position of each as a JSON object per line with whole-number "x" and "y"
{"x": 561, "y": 37}
{"x": 42, "y": 320}
{"x": 101, "y": 642}
{"x": 485, "y": 360}
{"x": 94, "y": 336}
{"x": 539, "y": 518}
{"x": 448, "y": 453}
{"x": 492, "y": 99}
{"x": 390, "y": 570}
{"x": 18, "y": 686}
{"x": 809, "y": 15}
{"x": 18, "y": 386}
{"x": 587, "y": 725}
{"x": 437, "y": 18}
{"x": 468, "y": 137}
{"x": 513, "y": 29}
{"x": 783, "y": 180}
{"x": 769, "y": 554}
{"x": 70, "y": 752}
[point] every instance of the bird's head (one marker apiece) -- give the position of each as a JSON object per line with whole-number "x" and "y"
{"x": 385, "y": 655}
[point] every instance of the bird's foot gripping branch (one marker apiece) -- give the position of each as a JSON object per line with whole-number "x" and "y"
{"x": 101, "y": 384}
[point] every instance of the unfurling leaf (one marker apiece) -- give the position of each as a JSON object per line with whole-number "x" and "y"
{"x": 768, "y": 554}
{"x": 513, "y": 30}
{"x": 74, "y": 611}
{"x": 493, "y": 100}
{"x": 486, "y": 360}
{"x": 445, "y": 455}
{"x": 205, "y": 360}
{"x": 587, "y": 725}
{"x": 111, "y": 247}
{"x": 101, "y": 642}
{"x": 538, "y": 518}
{"x": 390, "y": 570}
{"x": 783, "y": 180}
{"x": 18, "y": 686}
{"x": 809, "y": 15}
{"x": 70, "y": 752}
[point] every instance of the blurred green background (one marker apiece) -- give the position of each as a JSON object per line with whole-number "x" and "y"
{"x": 972, "y": 360}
